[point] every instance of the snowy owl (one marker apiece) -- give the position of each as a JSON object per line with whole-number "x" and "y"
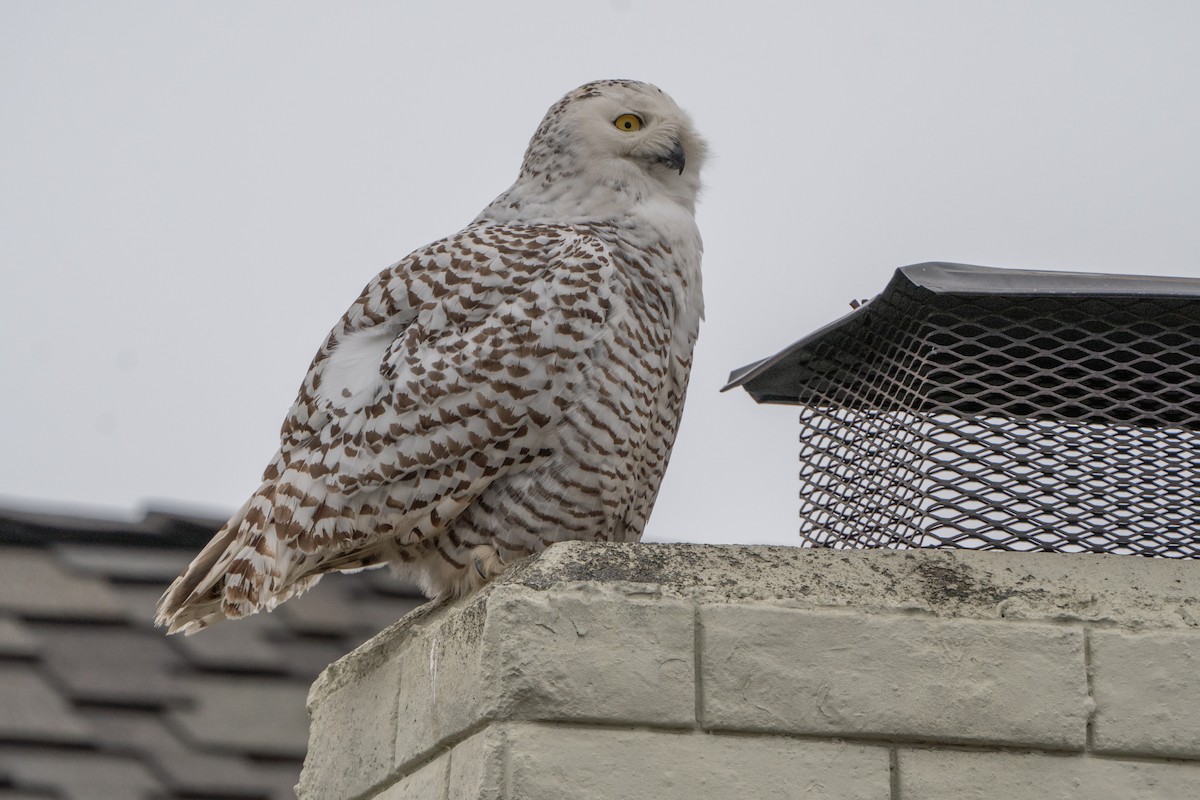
{"x": 516, "y": 384}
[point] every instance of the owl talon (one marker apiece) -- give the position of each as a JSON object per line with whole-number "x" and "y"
{"x": 479, "y": 569}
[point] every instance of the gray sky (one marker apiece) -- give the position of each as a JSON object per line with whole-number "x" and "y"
{"x": 193, "y": 193}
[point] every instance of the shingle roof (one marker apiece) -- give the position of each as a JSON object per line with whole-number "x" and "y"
{"x": 95, "y": 703}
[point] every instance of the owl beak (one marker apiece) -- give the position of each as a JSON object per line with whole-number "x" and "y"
{"x": 674, "y": 159}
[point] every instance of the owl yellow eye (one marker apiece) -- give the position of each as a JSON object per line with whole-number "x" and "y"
{"x": 628, "y": 122}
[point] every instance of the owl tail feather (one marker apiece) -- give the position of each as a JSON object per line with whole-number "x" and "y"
{"x": 244, "y": 568}
{"x": 235, "y": 575}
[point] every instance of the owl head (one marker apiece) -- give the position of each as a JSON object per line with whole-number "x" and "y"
{"x": 611, "y": 137}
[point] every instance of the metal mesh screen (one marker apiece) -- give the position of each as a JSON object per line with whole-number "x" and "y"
{"x": 1004, "y": 422}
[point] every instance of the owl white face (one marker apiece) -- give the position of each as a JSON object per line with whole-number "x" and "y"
{"x": 635, "y": 131}
{"x": 627, "y": 136}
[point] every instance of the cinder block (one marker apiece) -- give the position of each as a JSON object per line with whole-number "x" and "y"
{"x": 427, "y": 783}
{"x": 391, "y": 703}
{"x": 477, "y": 766}
{"x": 551, "y": 762}
{"x": 1144, "y": 685}
{"x": 784, "y": 670}
{"x": 351, "y": 738}
{"x": 615, "y": 654}
{"x": 949, "y": 775}
{"x": 445, "y": 684}
{"x": 593, "y": 654}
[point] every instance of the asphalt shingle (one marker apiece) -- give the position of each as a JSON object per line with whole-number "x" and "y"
{"x": 305, "y": 657}
{"x": 259, "y": 716}
{"x": 139, "y": 601}
{"x": 112, "y": 562}
{"x": 321, "y": 613}
{"x": 31, "y": 710}
{"x": 80, "y": 776}
{"x": 32, "y": 585}
{"x": 363, "y": 602}
{"x": 242, "y": 647}
{"x": 16, "y": 641}
{"x": 184, "y": 768}
{"x": 119, "y": 666}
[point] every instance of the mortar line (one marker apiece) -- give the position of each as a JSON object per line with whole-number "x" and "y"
{"x": 446, "y": 776}
{"x": 698, "y": 681}
{"x": 430, "y": 753}
{"x": 1089, "y": 731}
{"x": 897, "y": 743}
{"x": 894, "y": 772}
{"x": 900, "y": 741}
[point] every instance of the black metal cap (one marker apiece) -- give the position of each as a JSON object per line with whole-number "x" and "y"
{"x": 782, "y": 378}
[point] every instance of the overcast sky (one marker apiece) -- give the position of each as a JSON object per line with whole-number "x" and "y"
{"x": 193, "y": 193}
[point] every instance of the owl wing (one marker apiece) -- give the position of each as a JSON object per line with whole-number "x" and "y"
{"x": 450, "y": 370}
